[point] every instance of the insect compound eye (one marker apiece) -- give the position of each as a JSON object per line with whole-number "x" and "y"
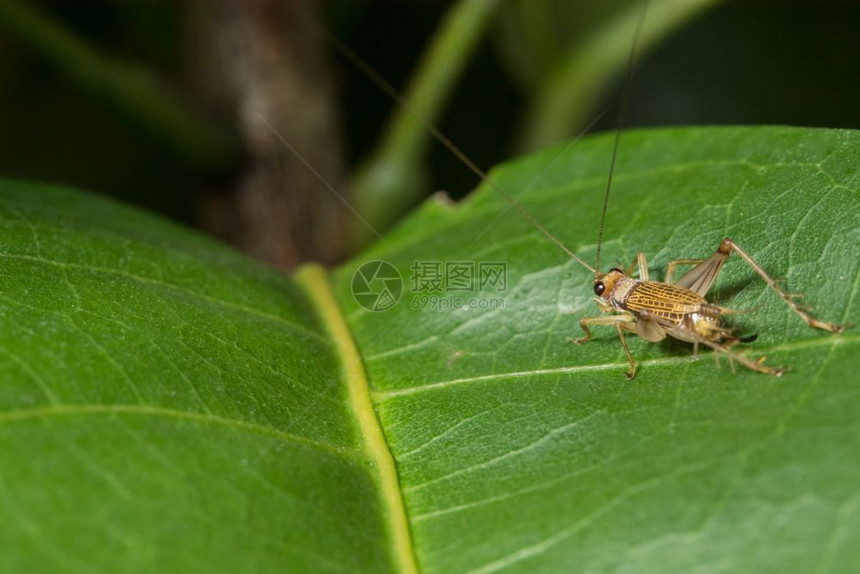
{"x": 599, "y": 288}
{"x": 616, "y": 269}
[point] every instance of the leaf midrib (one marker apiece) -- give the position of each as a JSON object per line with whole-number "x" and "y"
{"x": 314, "y": 280}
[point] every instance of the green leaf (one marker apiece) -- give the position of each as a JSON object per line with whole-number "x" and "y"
{"x": 167, "y": 405}
{"x": 519, "y": 452}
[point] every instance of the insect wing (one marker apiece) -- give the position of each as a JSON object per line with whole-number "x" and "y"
{"x": 664, "y": 301}
{"x": 700, "y": 278}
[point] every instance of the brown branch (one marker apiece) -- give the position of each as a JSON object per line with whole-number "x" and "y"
{"x": 256, "y": 60}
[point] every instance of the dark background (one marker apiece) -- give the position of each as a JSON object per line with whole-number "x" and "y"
{"x": 743, "y": 62}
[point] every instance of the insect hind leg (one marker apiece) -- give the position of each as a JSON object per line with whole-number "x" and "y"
{"x": 733, "y": 357}
{"x": 721, "y": 340}
{"x": 728, "y": 246}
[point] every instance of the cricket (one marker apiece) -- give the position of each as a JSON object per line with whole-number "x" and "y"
{"x": 650, "y": 309}
{"x": 654, "y": 310}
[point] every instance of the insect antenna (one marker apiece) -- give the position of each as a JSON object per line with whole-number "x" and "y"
{"x": 622, "y": 112}
{"x": 365, "y": 68}
{"x": 368, "y": 70}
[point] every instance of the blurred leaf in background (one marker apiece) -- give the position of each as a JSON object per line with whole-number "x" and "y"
{"x": 54, "y": 131}
{"x": 759, "y": 62}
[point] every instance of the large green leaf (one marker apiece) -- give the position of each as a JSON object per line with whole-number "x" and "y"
{"x": 167, "y": 405}
{"x": 519, "y": 452}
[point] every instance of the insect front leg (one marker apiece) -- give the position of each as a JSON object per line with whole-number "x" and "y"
{"x": 618, "y": 327}
{"x": 622, "y": 321}
{"x": 585, "y": 322}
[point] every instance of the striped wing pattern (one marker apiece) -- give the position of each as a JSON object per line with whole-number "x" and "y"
{"x": 665, "y": 301}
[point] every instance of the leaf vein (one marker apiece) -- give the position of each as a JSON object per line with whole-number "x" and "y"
{"x": 662, "y": 361}
{"x": 171, "y": 286}
{"x": 61, "y": 410}
{"x": 510, "y": 454}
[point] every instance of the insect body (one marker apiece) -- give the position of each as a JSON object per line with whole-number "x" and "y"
{"x": 653, "y": 309}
